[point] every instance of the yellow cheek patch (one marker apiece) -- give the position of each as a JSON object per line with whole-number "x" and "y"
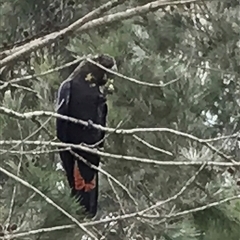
{"x": 89, "y": 77}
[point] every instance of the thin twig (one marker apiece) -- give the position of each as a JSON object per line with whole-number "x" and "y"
{"x": 133, "y": 80}
{"x": 8, "y": 221}
{"x": 117, "y": 196}
{"x": 28, "y": 77}
{"x": 183, "y": 189}
{"x": 117, "y": 156}
{"x": 50, "y": 38}
{"x": 29, "y": 136}
{"x": 151, "y": 146}
{"x": 35, "y": 152}
{"x": 121, "y": 217}
{"x": 102, "y": 140}
{"x": 125, "y": 77}
{"x": 27, "y": 89}
{"x": 33, "y": 114}
{"x": 106, "y": 174}
{"x": 198, "y": 209}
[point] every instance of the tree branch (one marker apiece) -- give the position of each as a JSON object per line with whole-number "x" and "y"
{"x": 85, "y": 23}
{"x": 116, "y": 156}
{"x": 182, "y": 190}
{"x": 136, "y": 81}
{"x": 28, "y": 77}
{"x": 198, "y": 209}
{"x": 50, "y": 38}
{"x": 11, "y": 208}
{"x": 151, "y": 146}
{"x": 47, "y": 199}
{"x": 109, "y": 176}
{"x": 140, "y": 213}
{"x": 32, "y": 115}
{"x": 122, "y": 217}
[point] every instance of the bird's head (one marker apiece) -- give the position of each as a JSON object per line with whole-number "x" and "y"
{"x": 95, "y": 69}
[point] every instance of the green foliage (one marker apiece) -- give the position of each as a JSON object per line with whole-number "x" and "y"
{"x": 194, "y": 52}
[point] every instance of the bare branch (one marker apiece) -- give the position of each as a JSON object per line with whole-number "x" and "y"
{"x": 133, "y": 80}
{"x": 32, "y": 115}
{"x": 151, "y": 146}
{"x": 138, "y": 214}
{"x": 109, "y": 176}
{"x": 126, "y": 216}
{"x": 38, "y": 231}
{"x": 50, "y": 38}
{"x": 117, "y": 196}
{"x": 125, "y": 77}
{"x": 35, "y": 152}
{"x": 116, "y": 156}
{"x": 15, "y": 187}
{"x": 29, "y": 136}
{"x": 5, "y": 85}
{"x": 103, "y": 139}
{"x": 183, "y": 189}
{"x": 28, "y": 77}
{"x": 198, "y": 209}
{"x": 85, "y": 23}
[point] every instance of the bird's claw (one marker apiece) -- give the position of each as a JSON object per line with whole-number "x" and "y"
{"x": 90, "y": 124}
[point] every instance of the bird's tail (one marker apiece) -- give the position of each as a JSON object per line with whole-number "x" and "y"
{"x": 86, "y": 193}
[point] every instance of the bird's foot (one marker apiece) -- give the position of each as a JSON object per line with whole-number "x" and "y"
{"x": 90, "y": 124}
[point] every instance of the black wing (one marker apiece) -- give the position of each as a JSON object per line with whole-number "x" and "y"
{"x": 63, "y": 99}
{"x": 64, "y": 94}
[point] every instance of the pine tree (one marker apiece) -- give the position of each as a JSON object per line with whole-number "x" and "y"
{"x": 186, "y": 59}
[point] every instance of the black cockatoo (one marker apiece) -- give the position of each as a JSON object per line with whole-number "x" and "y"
{"x": 80, "y": 97}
